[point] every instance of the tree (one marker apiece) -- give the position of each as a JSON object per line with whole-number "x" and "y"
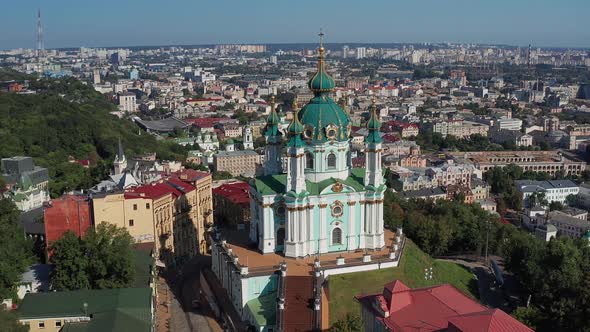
{"x": 351, "y": 323}
{"x": 110, "y": 259}
{"x": 9, "y": 323}
{"x": 555, "y": 206}
{"x": 16, "y": 252}
{"x": 101, "y": 259}
{"x": 222, "y": 175}
{"x": 71, "y": 263}
{"x": 529, "y": 316}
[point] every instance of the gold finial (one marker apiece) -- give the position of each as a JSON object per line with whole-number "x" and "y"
{"x": 295, "y": 105}
{"x": 321, "y": 49}
{"x": 272, "y": 103}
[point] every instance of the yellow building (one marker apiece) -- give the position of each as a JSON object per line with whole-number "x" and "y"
{"x": 174, "y": 213}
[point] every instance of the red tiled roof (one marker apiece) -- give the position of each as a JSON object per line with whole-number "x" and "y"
{"x": 494, "y": 320}
{"x": 437, "y": 308}
{"x": 388, "y": 138}
{"x": 203, "y": 122}
{"x": 188, "y": 174}
{"x": 237, "y": 192}
{"x": 153, "y": 191}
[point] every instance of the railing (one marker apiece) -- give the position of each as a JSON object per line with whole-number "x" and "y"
{"x": 281, "y": 297}
{"x": 317, "y": 296}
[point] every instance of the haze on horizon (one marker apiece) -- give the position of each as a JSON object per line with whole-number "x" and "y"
{"x": 71, "y": 23}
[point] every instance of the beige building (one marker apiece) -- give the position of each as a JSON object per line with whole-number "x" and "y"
{"x": 232, "y": 131}
{"x": 537, "y": 161}
{"x": 460, "y": 128}
{"x": 236, "y": 162}
{"x": 174, "y": 213}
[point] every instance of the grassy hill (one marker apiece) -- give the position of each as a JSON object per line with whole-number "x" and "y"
{"x": 343, "y": 288}
{"x": 68, "y": 118}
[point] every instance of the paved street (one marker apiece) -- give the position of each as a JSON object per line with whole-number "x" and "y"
{"x": 488, "y": 295}
{"x": 184, "y": 317}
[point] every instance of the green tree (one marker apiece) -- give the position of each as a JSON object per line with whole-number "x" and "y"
{"x": 350, "y": 323}
{"x": 101, "y": 259}
{"x": 555, "y": 206}
{"x": 9, "y": 322}
{"x": 71, "y": 263}
{"x": 222, "y": 175}
{"x": 16, "y": 252}
{"x": 110, "y": 258}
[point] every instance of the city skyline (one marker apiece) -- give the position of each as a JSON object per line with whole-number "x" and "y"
{"x": 113, "y": 24}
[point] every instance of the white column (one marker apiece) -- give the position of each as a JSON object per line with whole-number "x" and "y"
{"x": 363, "y": 208}
{"x": 310, "y": 235}
{"x": 323, "y": 226}
{"x": 351, "y": 226}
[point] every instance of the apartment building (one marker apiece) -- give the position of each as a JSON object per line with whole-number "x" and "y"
{"x": 236, "y": 162}
{"x": 460, "y": 128}
{"x": 174, "y": 213}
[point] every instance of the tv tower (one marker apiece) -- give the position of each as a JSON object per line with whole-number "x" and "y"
{"x": 39, "y": 40}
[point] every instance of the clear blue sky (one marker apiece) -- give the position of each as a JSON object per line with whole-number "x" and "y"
{"x": 74, "y": 23}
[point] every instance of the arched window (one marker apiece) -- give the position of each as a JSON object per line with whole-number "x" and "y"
{"x": 336, "y": 236}
{"x": 281, "y": 237}
{"x": 331, "y": 160}
{"x": 309, "y": 160}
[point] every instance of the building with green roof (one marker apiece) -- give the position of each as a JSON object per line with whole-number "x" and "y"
{"x": 124, "y": 309}
{"x": 321, "y": 204}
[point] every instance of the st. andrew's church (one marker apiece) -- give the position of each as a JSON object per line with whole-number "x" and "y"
{"x": 322, "y": 204}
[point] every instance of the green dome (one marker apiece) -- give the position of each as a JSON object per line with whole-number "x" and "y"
{"x": 295, "y": 127}
{"x": 273, "y": 121}
{"x": 373, "y": 126}
{"x": 324, "y": 120}
{"x": 321, "y": 81}
{"x": 230, "y": 141}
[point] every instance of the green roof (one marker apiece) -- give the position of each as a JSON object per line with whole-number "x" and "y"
{"x": 143, "y": 263}
{"x": 320, "y": 112}
{"x": 264, "y": 309}
{"x": 275, "y": 184}
{"x": 373, "y": 126}
{"x": 321, "y": 81}
{"x": 124, "y": 309}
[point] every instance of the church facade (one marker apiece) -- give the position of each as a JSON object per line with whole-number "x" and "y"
{"x": 322, "y": 204}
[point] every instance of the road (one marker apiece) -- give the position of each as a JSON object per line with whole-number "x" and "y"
{"x": 184, "y": 317}
{"x": 488, "y": 294}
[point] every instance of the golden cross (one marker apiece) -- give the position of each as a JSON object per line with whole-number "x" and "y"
{"x": 321, "y": 34}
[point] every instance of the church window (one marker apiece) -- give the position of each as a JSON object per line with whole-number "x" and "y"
{"x": 331, "y": 160}
{"x": 337, "y": 236}
{"x": 337, "y": 210}
{"x": 331, "y": 133}
{"x": 309, "y": 160}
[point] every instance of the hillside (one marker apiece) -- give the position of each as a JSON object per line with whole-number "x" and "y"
{"x": 67, "y": 118}
{"x": 343, "y": 288}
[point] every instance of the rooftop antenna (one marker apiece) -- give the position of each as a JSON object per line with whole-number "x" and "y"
{"x": 40, "y": 46}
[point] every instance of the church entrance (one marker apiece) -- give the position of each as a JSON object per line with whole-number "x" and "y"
{"x": 280, "y": 240}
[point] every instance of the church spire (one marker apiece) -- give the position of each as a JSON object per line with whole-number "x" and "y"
{"x": 120, "y": 151}
{"x": 295, "y": 128}
{"x": 273, "y": 121}
{"x": 373, "y": 126}
{"x": 321, "y": 81}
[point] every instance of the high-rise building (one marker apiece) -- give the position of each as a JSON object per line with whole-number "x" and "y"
{"x": 96, "y": 76}
{"x": 361, "y": 52}
{"x": 345, "y": 50}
